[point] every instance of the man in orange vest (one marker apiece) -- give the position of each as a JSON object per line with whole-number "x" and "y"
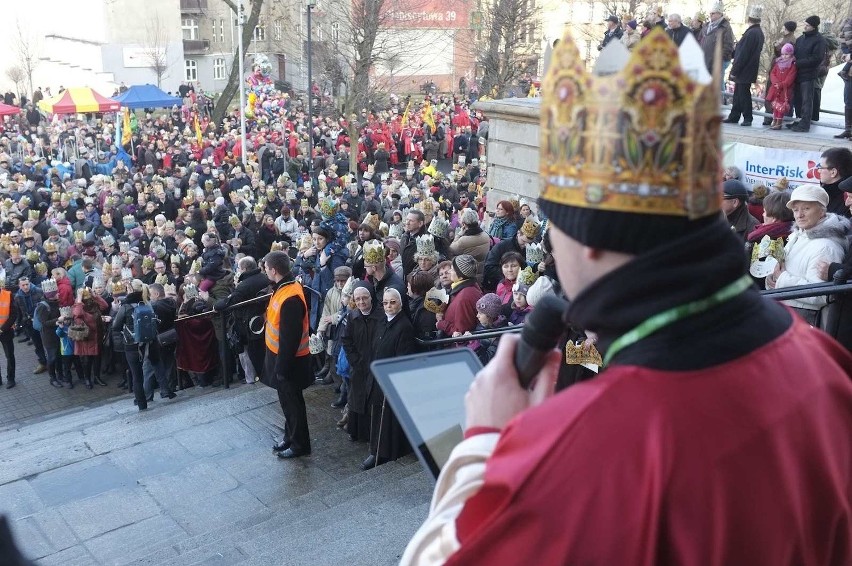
{"x": 287, "y": 367}
{"x": 8, "y": 316}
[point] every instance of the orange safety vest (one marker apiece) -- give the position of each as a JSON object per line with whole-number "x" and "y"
{"x": 273, "y": 318}
{"x": 5, "y": 306}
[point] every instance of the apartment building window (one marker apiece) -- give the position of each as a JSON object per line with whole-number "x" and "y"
{"x": 222, "y": 30}
{"x": 260, "y": 32}
{"x": 319, "y": 33}
{"x": 335, "y": 31}
{"x": 190, "y": 28}
{"x": 219, "y": 68}
{"x": 277, "y": 30}
{"x": 190, "y": 70}
{"x": 213, "y": 39}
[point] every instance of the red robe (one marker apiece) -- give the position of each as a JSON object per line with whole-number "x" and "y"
{"x": 748, "y": 462}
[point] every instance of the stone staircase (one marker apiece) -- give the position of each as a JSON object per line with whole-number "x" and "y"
{"x": 194, "y": 481}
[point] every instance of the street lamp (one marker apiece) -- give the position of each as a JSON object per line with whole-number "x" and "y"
{"x": 311, "y": 4}
{"x": 241, "y": 20}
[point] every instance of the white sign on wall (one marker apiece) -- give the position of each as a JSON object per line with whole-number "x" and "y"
{"x": 765, "y": 165}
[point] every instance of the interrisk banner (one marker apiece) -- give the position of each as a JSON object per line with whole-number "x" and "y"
{"x": 765, "y": 165}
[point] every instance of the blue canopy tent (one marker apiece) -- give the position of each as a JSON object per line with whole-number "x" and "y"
{"x": 146, "y": 96}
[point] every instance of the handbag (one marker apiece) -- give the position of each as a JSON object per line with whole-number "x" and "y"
{"x": 167, "y": 338}
{"x": 78, "y": 331}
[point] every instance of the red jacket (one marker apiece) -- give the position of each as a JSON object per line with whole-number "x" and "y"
{"x": 460, "y": 315}
{"x": 66, "y": 292}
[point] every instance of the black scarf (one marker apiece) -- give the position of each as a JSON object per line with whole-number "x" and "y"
{"x": 682, "y": 271}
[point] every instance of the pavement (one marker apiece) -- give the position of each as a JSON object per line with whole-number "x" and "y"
{"x": 194, "y": 481}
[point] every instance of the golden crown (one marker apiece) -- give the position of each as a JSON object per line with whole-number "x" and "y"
{"x": 396, "y": 231}
{"x": 106, "y": 269}
{"x": 328, "y": 207}
{"x": 527, "y": 276}
{"x": 259, "y": 208}
{"x": 427, "y": 206}
{"x": 148, "y": 262}
{"x": 530, "y": 228}
{"x": 234, "y": 220}
{"x": 79, "y": 235}
{"x": 639, "y": 134}
{"x": 169, "y": 289}
{"x": 50, "y": 247}
{"x": 33, "y": 214}
{"x": 436, "y": 300}
{"x": 175, "y": 258}
{"x": 32, "y": 256}
{"x": 374, "y": 252}
{"x": 14, "y": 249}
{"x": 575, "y": 354}
{"x": 161, "y": 279}
{"x": 118, "y": 288}
{"x": 189, "y": 231}
{"x": 27, "y": 233}
{"x": 276, "y": 247}
{"x": 41, "y": 268}
{"x": 372, "y": 219}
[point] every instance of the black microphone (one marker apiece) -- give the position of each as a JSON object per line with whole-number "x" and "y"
{"x": 542, "y": 330}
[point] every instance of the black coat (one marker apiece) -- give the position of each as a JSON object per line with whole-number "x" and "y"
{"x": 252, "y": 284}
{"x": 809, "y": 53}
{"x": 747, "y": 56}
{"x": 678, "y": 34}
{"x": 493, "y": 273}
{"x": 166, "y": 311}
{"x": 422, "y": 320}
{"x": 392, "y": 338}
{"x": 358, "y": 345}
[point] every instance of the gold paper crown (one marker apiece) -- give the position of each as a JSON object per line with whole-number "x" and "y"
{"x": 439, "y": 227}
{"x": 189, "y": 231}
{"x": 169, "y": 289}
{"x": 277, "y": 247}
{"x": 374, "y": 252}
{"x": 118, "y": 288}
{"x": 188, "y": 200}
{"x": 50, "y": 247}
{"x": 527, "y": 276}
{"x": 638, "y": 135}
{"x": 328, "y": 207}
{"x": 32, "y": 256}
{"x": 41, "y": 268}
{"x": 161, "y": 279}
{"x": 530, "y": 228}
{"x": 79, "y": 235}
{"x": 535, "y": 253}
{"x": 150, "y": 224}
{"x": 304, "y": 202}
{"x": 426, "y": 246}
{"x": 106, "y": 269}
{"x": 259, "y": 208}
{"x": 372, "y": 219}
{"x": 436, "y": 300}
{"x": 234, "y": 220}
{"x": 24, "y": 201}
{"x": 14, "y": 249}
{"x": 55, "y": 197}
{"x": 33, "y": 214}
{"x": 27, "y": 233}
{"x": 169, "y": 224}
{"x": 576, "y": 355}
{"x": 175, "y": 258}
{"x": 427, "y": 206}
{"x": 148, "y": 262}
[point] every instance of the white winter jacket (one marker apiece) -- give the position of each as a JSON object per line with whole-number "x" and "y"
{"x": 805, "y": 248}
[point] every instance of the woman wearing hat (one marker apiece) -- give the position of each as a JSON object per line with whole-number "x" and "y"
{"x": 817, "y": 236}
{"x": 460, "y": 316}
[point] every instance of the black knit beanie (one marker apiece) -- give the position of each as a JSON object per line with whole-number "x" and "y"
{"x": 625, "y": 232}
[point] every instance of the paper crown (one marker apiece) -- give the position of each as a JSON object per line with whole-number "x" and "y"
{"x": 436, "y": 300}
{"x": 169, "y": 224}
{"x": 79, "y": 235}
{"x": 374, "y": 252}
{"x": 124, "y": 247}
{"x": 50, "y": 247}
{"x": 126, "y": 273}
{"x": 175, "y": 258}
{"x": 107, "y": 240}
{"x": 276, "y": 247}
{"x": 148, "y": 262}
{"x": 530, "y": 228}
{"x": 161, "y": 279}
{"x": 65, "y": 312}
{"x": 372, "y": 219}
{"x": 41, "y": 268}
{"x": 32, "y": 256}
{"x": 189, "y": 231}
{"x": 439, "y": 227}
{"x": 328, "y": 207}
{"x": 27, "y": 234}
{"x": 118, "y": 288}
{"x": 427, "y": 206}
{"x": 49, "y": 286}
{"x": 426, "y": 247}
{"x": 190, "y": 291}
{"x": 106, "y": 269}
{"x": 129, "y": 220}
{"x": 396, "y": 231}
{"x": 527, "y": 276}
{"x": 169, "y": 289}
{"x": 576, "y": 354}
{"x": 639, "y": 134}
{"x": 535, "y": 253}
{"x": 349, "y": 286}
{"x": 259, "y": 208}
{"x": 14, "y": 249}
{"x": 33, "y": 214}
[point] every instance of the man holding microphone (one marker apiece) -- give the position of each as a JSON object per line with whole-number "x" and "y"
{"x": 720, "y": 430}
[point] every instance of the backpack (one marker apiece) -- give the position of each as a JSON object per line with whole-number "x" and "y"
{"x": 36, "y": 320}
{"x": 144, "y": 324}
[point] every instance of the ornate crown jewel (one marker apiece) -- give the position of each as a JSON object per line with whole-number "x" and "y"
{"x": 374, "y": 252}
{"x": 535, "y": 253}
{"x": 639, "y": 134}
{"x": 439, "y": 227}
{"x": 530, "y": 228}
{"x": 426, "y": 245}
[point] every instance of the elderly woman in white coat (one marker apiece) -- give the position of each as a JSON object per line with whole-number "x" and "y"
{"x": 818, "y": 236}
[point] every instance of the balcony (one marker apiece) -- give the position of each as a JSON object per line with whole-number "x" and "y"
{"x": 193, "y": 6}
{"x": 196, "y": 46}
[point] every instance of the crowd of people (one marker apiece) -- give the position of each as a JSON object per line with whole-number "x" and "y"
{"x": 793, "y": 83}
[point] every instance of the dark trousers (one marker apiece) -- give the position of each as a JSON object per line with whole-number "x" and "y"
{"x": 804, "y": 102}
{"x": 296, "y": 417}
{"x": 35, "y": 336}
{"x": 91, "y": 367}
{"x": 66, "y": 362}
{"x": 741, "y": 103}
{"x": 134, "y": 363}
{"x": 7, "y": 338}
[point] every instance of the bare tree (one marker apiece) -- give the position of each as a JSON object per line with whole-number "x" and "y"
{"x": 235, "y": 81}
{"x": 27, "y": 51}
{"x": 156, "y": 48}
{"x": 508, "y": 48}
{"x": 17, "y": 76}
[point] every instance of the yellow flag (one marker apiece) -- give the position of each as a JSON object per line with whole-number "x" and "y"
{"x": 405, "y": 114}
{"x": 428, "y": 117}
{"x": 126, "y": 132}
{"x": 197, "y": 130}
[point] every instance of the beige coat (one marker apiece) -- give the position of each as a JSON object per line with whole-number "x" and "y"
{"x": 477, "y": 245}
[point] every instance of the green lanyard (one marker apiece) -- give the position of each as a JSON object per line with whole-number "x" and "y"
{"x": 665, "y": 318}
